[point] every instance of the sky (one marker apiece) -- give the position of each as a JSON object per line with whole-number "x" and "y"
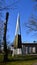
{"x": 25, "y": 8}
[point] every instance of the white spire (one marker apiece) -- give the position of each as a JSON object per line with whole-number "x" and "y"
{"x": 17, "y": 31}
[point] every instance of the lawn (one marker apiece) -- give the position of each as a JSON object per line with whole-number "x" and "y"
{"x": 23, "y": 60}
{"x": 31, "y": 62}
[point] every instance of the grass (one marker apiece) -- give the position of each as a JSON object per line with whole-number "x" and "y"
{"x": 1, "y": 57}
{"x": 31, "y": 62}
{"x": 28, "y": 60}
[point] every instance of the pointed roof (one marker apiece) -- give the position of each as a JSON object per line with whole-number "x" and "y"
{"x": 18, "y": 31}
{"x": 17, "y": 40}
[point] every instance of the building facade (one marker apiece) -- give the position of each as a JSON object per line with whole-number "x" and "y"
{"x": 19, "y": 47}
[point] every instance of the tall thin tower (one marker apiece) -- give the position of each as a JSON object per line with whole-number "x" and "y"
{"x": 17, "y": 41}
{"x": 18, "y": 29}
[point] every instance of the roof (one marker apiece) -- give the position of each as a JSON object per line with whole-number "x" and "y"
{"x": 28, "y": 44}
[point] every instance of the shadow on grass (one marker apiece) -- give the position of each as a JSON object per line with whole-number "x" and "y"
{"x": 16, "y": 59}
{"x": 19, "y": 58}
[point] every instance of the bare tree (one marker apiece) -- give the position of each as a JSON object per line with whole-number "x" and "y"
{"x": 31, "y": 25}
{"x": 5, "y": 7}
{"x": 4, "y": 38}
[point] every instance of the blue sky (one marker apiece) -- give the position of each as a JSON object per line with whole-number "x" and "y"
{"x": 25, "y": 9}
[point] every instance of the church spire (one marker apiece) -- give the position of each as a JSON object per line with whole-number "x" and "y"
{"x": 17, "y": 31}
{"x": 17, "y": 41}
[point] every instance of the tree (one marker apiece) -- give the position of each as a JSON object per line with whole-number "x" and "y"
{"x": 4, "y": 38}
{"x": 5, "y": 7}
{"x": 31, "y": 25}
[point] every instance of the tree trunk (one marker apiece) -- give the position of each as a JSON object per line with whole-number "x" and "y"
{"x": 4, "y": 38}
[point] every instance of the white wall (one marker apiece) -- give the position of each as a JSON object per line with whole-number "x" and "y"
{"x": 34, "y": 50}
